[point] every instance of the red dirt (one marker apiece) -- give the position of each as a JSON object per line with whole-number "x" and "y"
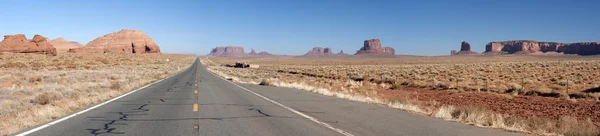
{"x": 523, "y": 106}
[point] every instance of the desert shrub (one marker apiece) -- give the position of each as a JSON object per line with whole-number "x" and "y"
{"x": 357, "y": 77}
{"x": 570, "y": 126}
{"x": 404, "y": 82}
{"x": 104, "y": 61}
{"x": 439, "y": 85}
{"x": 592, "y": 90}
{"x": 514, "y": 87}
{"x": 554, "y": 94}
{"x": 579, "y": 95}
{"x": 388, "y": 79}
{"x": 46, "y": 98}
{"x": 418, "y": 83}
{"x": 376, "y": 80}
{"x": 564, "y": 82}
{"x": 35, "y": 79}
{"x": 115, "y": 85}
{"x": 266, "y": 82}
{"x": 396, "y": 86}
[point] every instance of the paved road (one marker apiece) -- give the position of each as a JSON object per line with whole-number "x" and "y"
{"x": 196, "y": 102}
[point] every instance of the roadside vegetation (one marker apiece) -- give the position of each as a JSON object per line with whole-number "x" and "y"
{"x": 536, "y": 95}
{"x": 35, "y": 89}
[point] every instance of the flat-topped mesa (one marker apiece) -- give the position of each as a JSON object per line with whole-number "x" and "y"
{"x": 228, "y": 51}
{"x": 124, "y": 42}
{"x": 581, "y": 48}
{"x": 318, "y": 51}
{"x": 530, "y": 46}
{"x": 513, "y": 47}
{"x": 19, "y": 44}
{"x": 465, "y": 49}
{"x": 264, "y": 53}
{"x": 63, "y": 45}
{"x": 373, "y": 46}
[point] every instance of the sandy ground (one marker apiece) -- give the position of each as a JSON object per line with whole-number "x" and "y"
{"x": 37, "y": 88}
{"x": 533, "y": 109}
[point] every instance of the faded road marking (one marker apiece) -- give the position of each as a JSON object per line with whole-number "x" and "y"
{"x": 195, "y": 109}
{"x": 290, "y": 109}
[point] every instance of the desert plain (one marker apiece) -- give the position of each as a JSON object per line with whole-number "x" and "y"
{"x": 535, "y": 94}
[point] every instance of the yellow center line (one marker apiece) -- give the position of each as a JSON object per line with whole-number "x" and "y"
{"x": 195, "y": 91}
{"x": 195, "y": 109}
{"x": 196, "y": 84}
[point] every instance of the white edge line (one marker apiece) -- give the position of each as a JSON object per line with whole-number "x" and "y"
{"x": 290, "y": 109}
{"x": 91, "y": 108}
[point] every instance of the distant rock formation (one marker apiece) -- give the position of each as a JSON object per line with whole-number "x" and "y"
{"x": 252, "y": 52}
{"x": 373, "y": 46}
{"x": 452, "y": 52}
{"x": 228, "y": 51}
{"x": 465, "y": 49}
{"x": 19, "y": 44}
{"x": 530, "y": 46}
{"x": 341, "y": 53}
{"x": 124, "y": 41}
{"x": 318, "y": 51}
{"x": 63, "y": 45}
{"x": 465, "y": 46}
{"x": 236, "y": 52}
{"x": 264, "y": 54}
{"x": 582, "y": 48}
{"x": 76, "y": 44}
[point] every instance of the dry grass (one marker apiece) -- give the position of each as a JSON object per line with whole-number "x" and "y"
{"x": 517, "y": 74}
{"x": 348, "y": 79}
{"x": 36, "y": 88}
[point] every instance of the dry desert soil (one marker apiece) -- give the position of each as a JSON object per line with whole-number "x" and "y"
{"x": 37, "y": 88}
{"x": 548, "y": 95}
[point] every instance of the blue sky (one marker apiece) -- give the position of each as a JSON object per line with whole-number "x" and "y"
{"x": 424, "y": 27}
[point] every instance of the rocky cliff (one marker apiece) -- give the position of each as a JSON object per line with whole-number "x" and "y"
{"x": 373, "y": 46}
{"x": 124, "y": 41}
{"x": 465, "y": 49}
{"x": 63, "y": 45}
{"x": 529, "y": 46}
{"x": 319, "y": 51}
{"x": 228, "y": 51}
{"x": 236, "y": 52}
{"x": 252, "y": 52}
{"x": 19, "y": 44}
{"x": 341, "y": 53}
{"x": 264, "y": 54}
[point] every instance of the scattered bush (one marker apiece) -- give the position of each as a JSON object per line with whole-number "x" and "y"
{"x": 266, "y": 82}
{"x": 46, "y": 97}
{"x": 579, "y": 95}
{"x": 357, "y": 77}
{"x": 396, "y": 86}
{"x": 439, "y": 85}
{"x": 564, "y": 82}
{"x": 514, "y": 88}
{"x": 115, "y": 85}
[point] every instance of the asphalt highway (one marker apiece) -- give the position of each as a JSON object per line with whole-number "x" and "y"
{"x": 196, "y": 102}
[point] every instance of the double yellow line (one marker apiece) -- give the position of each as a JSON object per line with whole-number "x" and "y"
{"x": 195, "y": 108}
